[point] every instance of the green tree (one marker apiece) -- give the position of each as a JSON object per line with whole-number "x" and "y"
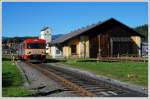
{"x": 143, "y": 29}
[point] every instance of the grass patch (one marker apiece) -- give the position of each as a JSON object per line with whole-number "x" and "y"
{"x": 12, "y": 81}
{"x": 132, "y": 72}
{"x": 16, "y": 92}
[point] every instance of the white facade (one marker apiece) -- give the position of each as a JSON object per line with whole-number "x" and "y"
{"x": 56, "y": 53}
{"x": 46, "y": 35}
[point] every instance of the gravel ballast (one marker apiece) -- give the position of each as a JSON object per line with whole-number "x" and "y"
{"x": 40, "y": 84}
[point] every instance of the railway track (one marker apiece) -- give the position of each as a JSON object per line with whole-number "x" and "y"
{"x": 82, "y": 85}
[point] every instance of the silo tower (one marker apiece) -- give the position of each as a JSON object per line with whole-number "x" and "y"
{"x": 46, "y": 34}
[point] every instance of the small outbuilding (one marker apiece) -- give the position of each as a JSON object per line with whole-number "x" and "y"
{"x": 110, "y": 38}
{"x": 56, "y": 51}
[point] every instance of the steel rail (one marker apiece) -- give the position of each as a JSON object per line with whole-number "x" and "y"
{"x": 81, "y": 91}
{"x": 82, "y": 85}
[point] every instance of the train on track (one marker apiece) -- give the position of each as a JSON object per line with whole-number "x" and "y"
{"x": 32, "y": 50}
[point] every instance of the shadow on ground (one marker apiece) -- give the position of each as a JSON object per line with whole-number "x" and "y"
{"x": 54, "y": 60}
{"x": 92, "y": 60}
{"x": 6, "y": 59}
{"x": 7, "y": 79}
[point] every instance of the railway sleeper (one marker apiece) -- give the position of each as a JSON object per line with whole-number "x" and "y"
{"x": 81, "y": 90}
{"x": 106, "y": 90}
{"x": 107, "y": 93}
{"x": 96, "y": 88}
{"x": 104, "y": 93}
{"x": 81, "y": 77}
{"x": 113, "y": 93}
{"x": 90, "y": 85}
{"x": 91, "y": 80}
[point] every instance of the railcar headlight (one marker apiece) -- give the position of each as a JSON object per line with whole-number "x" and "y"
{"x": 29, "y": 53}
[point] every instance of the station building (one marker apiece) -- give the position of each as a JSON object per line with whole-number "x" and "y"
{"x": 110, "y": 38}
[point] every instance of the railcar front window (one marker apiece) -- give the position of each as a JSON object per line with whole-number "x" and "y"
{"x": 36, "y": 46}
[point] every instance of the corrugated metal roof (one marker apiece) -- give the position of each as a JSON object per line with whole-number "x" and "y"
{"x": 72, "y": 34}
{"x": 83, "y": 30}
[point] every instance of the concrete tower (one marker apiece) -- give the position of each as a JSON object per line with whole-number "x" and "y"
{"x": 46, "y": 35}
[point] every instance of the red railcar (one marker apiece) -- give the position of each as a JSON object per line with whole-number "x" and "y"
{"x": 33, "y": 50}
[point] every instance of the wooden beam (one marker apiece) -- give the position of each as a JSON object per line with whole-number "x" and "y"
{"x": 111, "y": 45}
{"x": 99, "y": 47}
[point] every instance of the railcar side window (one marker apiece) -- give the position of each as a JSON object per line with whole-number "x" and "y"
{"x": 35, "y": 46}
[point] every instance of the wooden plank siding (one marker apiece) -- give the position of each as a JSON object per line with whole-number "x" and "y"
{"x": 113, "y": 43}
{"x": 106, "y": 44}
{"x": 100, "y": 46}
{"x": 108, "y": 39}
{"x": 93, "y": 46}
{"x": 105, "y": 47}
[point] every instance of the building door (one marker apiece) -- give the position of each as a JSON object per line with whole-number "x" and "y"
{"x": 100, "y": 46}
{"x": 93, "y": 46}
{"x": 105, "y": 47}
{"x": 73, "y": 49}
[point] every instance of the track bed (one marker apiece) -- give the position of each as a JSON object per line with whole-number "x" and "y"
{"x": 83, "y": 85}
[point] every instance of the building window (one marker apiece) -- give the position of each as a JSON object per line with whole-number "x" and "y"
{"x": 73, "y": 49}
{"x": 57, "y": 51}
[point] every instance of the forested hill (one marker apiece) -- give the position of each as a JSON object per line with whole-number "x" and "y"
{"x": 143, "y": 29}
{"x": 20, "y": 39}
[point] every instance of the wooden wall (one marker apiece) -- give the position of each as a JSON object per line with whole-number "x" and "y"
{"x": 94, "y": 46}
{"x": 101, "y": 45}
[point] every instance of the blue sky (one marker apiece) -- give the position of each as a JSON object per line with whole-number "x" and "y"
{"x": 27, "y": 19}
